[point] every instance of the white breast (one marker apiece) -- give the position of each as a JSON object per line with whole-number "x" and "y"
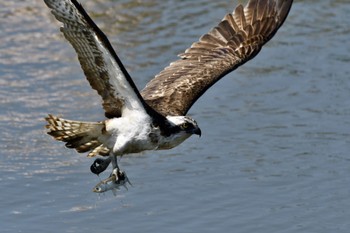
{"x": 129, "y": 135}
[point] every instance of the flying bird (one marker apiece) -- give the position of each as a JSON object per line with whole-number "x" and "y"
{"x": 155, "y": 118}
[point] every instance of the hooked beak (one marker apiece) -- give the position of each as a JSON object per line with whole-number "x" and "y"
{"x": 197, "y": 131}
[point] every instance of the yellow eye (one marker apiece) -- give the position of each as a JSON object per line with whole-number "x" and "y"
{"x": 185, "y": 125}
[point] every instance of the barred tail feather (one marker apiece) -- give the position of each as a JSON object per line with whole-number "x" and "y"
{"x": 82, "y": 136}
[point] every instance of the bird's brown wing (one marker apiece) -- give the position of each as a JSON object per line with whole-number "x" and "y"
{"x": 237, "y": 39}
{"x": 101, "y": 65}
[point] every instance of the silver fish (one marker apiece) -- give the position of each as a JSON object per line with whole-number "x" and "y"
{"x": 114, "y": 182}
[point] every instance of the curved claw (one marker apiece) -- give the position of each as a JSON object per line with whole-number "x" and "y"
{"x": 123, "y": 177}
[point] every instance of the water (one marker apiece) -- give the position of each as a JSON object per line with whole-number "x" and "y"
{"x": 274, "y": 155}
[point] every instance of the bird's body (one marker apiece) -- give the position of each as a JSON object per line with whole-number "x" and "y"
{"x": 155, "y": 118}
{"x": 143, "y": 134}
{"x": 122, "y": 135}
{"x": 121, "y": 130}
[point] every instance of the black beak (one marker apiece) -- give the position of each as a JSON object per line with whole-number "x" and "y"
{"x": 197, "y": 131}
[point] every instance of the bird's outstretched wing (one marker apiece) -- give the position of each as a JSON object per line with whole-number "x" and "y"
{"x": 101, "y": 65}
{"x": 237, "y": 39}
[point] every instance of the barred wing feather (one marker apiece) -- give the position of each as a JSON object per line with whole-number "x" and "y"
{"x": 101, "y": 65}
{"x": 238, "y": 38}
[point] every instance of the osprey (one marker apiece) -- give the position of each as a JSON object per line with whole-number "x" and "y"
{"x": 155, "y": 118}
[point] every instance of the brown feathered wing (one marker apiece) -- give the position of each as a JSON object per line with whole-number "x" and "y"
{"x": 101, "y": 65}
{"x": 237, "y": 39}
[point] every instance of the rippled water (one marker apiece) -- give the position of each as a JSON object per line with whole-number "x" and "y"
{"x": 274, "y": 155}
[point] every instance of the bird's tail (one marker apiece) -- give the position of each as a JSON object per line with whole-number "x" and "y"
{"x": 82, "y": 136}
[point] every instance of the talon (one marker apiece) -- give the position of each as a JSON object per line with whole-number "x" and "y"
{"x": 116, "y": 172}
{"x": 123, "y": 178}
{"x": 113, "y": 182}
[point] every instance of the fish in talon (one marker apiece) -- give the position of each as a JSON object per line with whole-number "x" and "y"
{"x": 114, "y": 182}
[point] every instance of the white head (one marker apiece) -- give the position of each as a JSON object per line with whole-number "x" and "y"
{"x": 180, "y": 128}
{"x": 184, "y": 124}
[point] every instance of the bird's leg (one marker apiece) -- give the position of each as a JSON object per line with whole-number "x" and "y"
{"x": 115, "y": 170}
{"x": 119, "y": 175}
{"x": 114, "y": 161}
